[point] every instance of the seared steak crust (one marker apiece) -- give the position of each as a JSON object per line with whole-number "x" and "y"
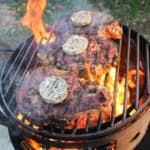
{"x": 80, "y": 67}
{"x": 100, "y": 49}
{"x": 83, "y": 98}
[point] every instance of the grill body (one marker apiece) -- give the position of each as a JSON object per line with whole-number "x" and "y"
{"x": 126, "y": 138}
{"x": 116, "y": 131}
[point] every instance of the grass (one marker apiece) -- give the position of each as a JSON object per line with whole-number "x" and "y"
{"x": 130, "y": 12}
{"x": 124, "y": 10}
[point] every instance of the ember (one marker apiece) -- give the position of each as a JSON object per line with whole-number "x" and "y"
{"x": 35, "y": 145}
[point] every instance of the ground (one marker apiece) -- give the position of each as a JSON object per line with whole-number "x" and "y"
{"x": 135, "y": 13}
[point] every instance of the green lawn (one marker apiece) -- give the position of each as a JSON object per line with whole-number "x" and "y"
{"x": 135, "y": 13}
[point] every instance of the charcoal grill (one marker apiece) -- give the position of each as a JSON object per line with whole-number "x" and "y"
{"x": 115, "y": 132}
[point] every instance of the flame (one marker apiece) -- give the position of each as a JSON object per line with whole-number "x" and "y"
{"x": 90, "y": 75}
{"x": 33, "y": 20}
{"x": 35, "y": 126}
{"x": 120, "y": 85}
{"x": 20, "y": 116}
{"x": 132, "y": 112}
{"x": 120, "y": 91}
{"x": 35, "y": 145}
{"x": 110, "y": 85}
{"x": 26, "y": 121}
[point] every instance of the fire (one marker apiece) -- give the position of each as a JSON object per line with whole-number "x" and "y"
{"x": 35, "y": 126}
{"x": 120, "y": 85}
{"x": 20, "y": 116}
{"x": 90, "y": 75}
{"x": 120, "y": 91}
{"x": 26, "y": 121}
{"x": 35, "y": 145}
{"x": 33, "y": 20}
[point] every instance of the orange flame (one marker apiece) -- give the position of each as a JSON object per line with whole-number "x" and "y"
{"x": 120, "y": 90}
{"x": 26, "y": 121}
{"x": 20, "y": 116}
{"x": 35, "y": 145}
{"x": 120, "y": 85}
{"x": 33, "y": 20}
{"x": 90, "y": 75}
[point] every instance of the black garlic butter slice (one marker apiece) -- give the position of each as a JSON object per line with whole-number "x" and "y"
{"x": 75, "y": 45}
{"x": 53, "y": 90}
{"x": 81, "y": 18}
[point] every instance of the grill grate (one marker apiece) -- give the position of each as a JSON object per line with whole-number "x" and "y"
{"x": 137, "y": 73}
{"x": 127, "y": 74}
{"x": 24, "y": 58}
{"x": 115, "y": 86}
{"x": 148, "y": 69}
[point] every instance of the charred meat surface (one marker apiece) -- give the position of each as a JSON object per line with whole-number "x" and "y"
{"x": 100, "y": 33}
{"x": 83, "y": 51}
{"x": 83, "y": 97}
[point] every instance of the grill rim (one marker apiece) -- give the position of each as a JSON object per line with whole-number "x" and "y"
{"x": 69, "y": 136}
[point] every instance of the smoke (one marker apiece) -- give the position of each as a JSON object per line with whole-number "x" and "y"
{"x": 59, "y": 8}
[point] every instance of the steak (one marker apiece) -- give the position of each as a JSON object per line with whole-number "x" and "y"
{"x": 101, "y": 34}
{"x": 83, "y": 51}
{"x": 83, "y": 98}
